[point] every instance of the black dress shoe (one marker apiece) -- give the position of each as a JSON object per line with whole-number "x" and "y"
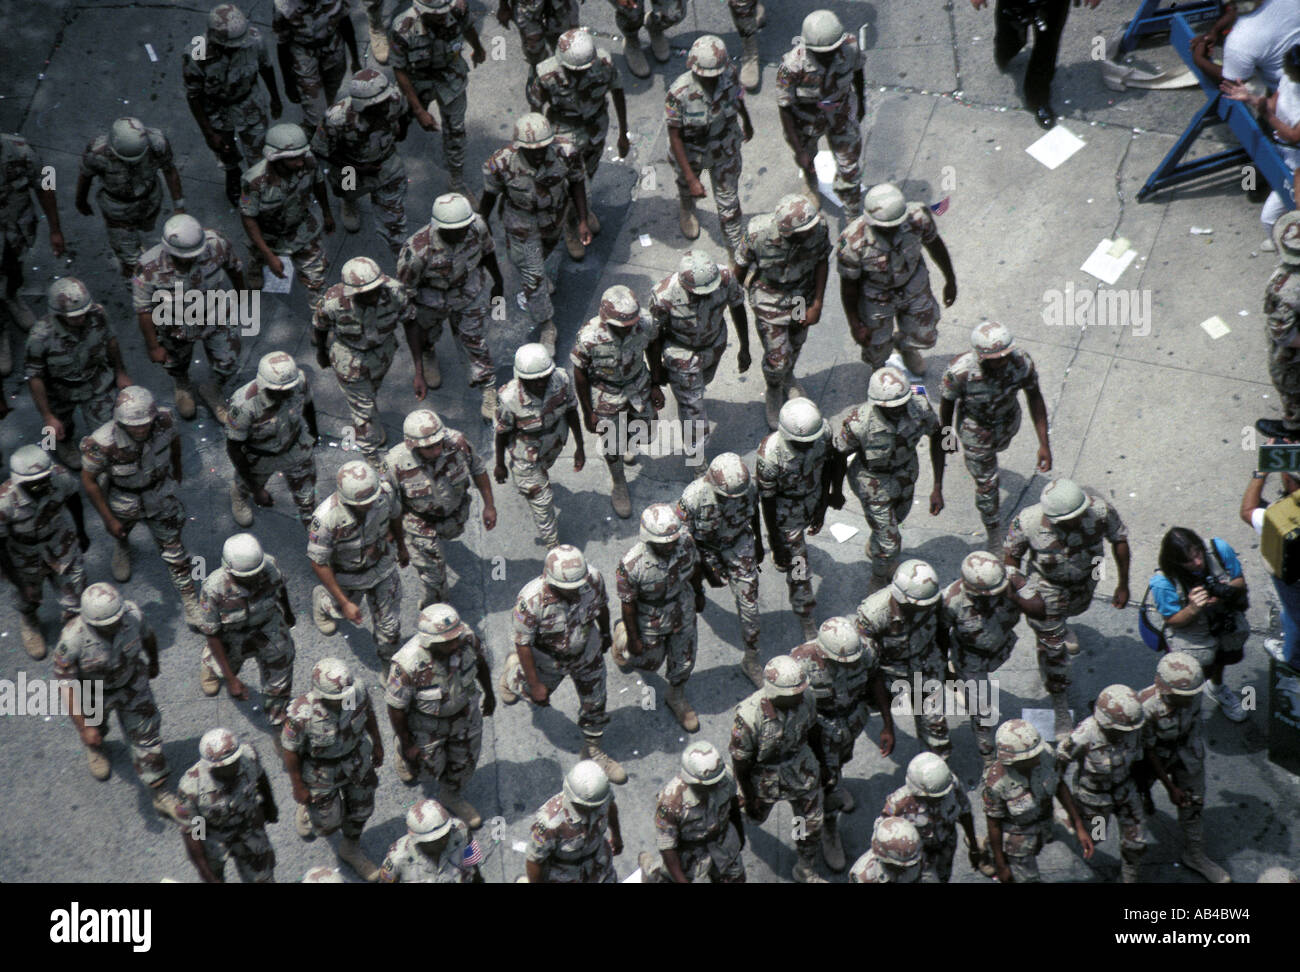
{"x": 1274, "y": 429}
{"x": 1045, "y": 115}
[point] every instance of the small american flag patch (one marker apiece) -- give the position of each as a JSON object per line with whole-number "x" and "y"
{"x": 473, "y": 854}
{"x": 941, "y": 206}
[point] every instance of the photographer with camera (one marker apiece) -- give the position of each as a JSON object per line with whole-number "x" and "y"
{"x": 1197, "y": 601}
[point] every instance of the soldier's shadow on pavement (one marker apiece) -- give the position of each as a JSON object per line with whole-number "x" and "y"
{"x": 1225, "y": 738}
{"x": 517, "y": 788}
{"x": 761, "y": 845}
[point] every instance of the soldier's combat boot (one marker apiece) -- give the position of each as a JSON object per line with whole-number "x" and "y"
{"x": 1194, "y": 854}
{"x": 996, "y": 537}
{"x": 986, "y": 858}
{"x": 6, "y": 352}
{"x": 752, "y": 667}
{"x": 378, "y": 44}
{"x": 841, "y": 800}
{"x": 190, "y": 602}
{"x": 239, "y": 507}
{"x": 68, "y": 453}
{"x": 749, "y": 73}
{"x": 546, "y": 337}
{"x": 686, "y": 218}
{"x": 456, "y": 183}
{"x": 832, "y": 846}
{"x": 577, "y": 249}
{"x": 636, "y": 62}
{"x": 209, "y": 681}
{"x": 320, "y": 610}
{"x": 121, "y": 561}
{"x": 183, "y": 392}
{"x": 772, "y": 402}
{"x": 350, "y": 215}
{"x": 1128, "y": 872}
{"x": 646, "y": 862}
{"x": 432, "y": 370}
{"x": 913, "y": 361}
{"x": 22, "y": 314}
{"x": 658, "y": 44}
{"x": 807, "y": 627}
{"x": 1064, "y": 725}
{"x": 681, "y": 708}
{"x": 805, "y": 870}
{"x": 302, "y": 823}
{"x": 404, "y": 771}
{"x": 351, "y": 854}
{"x": 489, "y": 407}
{"x": 612, "y": 767}
{"x": 504, "y": 692}
{"x": 593, "y": 221}
{"x": 619, "y": 649}
{"x": 458, "y": 806}
{"x": 1071, "y": 642}
{"x": 618, "y": 496}
{"x": 30, "y": 630}
{"x": 166, "y": 803}
{"x": 98, "y": 762}
{"x": 214, "y": 401}
{"x": 233, "y": 188}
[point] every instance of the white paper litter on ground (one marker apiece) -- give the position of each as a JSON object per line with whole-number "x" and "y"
{"x": 148, "y": 49}
{"x": 634, "y": 878}
{"x": 824, "y": 164}
{"x": 1215, "y": 327}
{"x": 843, "y": 532}
{"x": 1105, "y": 267}
{"x": 1056, "y": 146}
{"x": 519, "y": 846}
{"x": 271, "y": 284}
{"x": 1044, "y": 720}
{"x": 1201, "y": 230}
{"x": 645, "y": 239}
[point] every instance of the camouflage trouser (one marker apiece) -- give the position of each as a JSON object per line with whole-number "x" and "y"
{"x": 690, "y": 371}
{"x": 931, "y": 727}
{"x": 588, "y": 673}
{"x": 979, "y": 450}
{"x": 1126, "y": 804}
{"x": 165, "y": 518}
{"x": 608, "y": 405}
{"x": 834, "y": 745}
{"x": 737, "y": 566}
{"x": 1024, "y": 869}
{"x": 809, "y": 804}
{"x": 389, "y": 200}
{"x": 782, "y": 337}
{"x": 678, "y": 646}
{"x": 886, "y": 500}
{"x": 724, "y": 175}
{"x": 534, "y": 485}
{"x": 274, "y": 667}
{"x": 309, "y": 264}
{"x": 141, "y": 724}
{"x": 319, "y": 74}
{"x": 596, "y": 869}
{"x": 845, "y": 140}
{"x": 589, "y": 140}
{"x": 350, "y": 801}
{"x": 1286, "y": 379}
{"x": 717, "y": 861}
{"x": 360, "y": 374}
{"x": 917, "y": 312}
{"x": 246, "y": 142}
{"x": 452, "y": 102}
{"x": 631, "y": 14}
{"x": 127, "y": 223}
{"x": 449, "y": 745}
{"x": 1062, "y": 603}
{"x": 531, "y": 253}
{"x": 375, "y": 14}
{"x": 250, "y": 850}
{"x": 936, "y": 866}
{"x": 96, "y": 410}
{"x": 430, "y": 566}
{"x": 744, "y": 14}
{"x": 469, "y": 327}
{"x": 66, "y": 573}
{"x": 299, "y": 476}
{"x": 792, "y": 520}
{"x": 384, "y": 602}
{"x": 984, "y": 732}
{"x": 538, "y": 33}
{"x": 221, "y": 343}
{"x": 1186, "y": 768}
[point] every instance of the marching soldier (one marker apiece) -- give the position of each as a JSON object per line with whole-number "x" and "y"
{"x": 137, "y": 458}
{"x": 657, "y": 16}
{"x": 245, "y": 614}
{"x": 698, "y": 828}
{"x": 432, "y": 469}
{"x": 355, "y": 546}
{"x": 309, "y": 43}
{"x": 222, "y": 94}
{"x": 660, "y": 585}
{"x": 984, "y": 383}
{"x": 377, "y": 30}
{"x": 73, "y": 360}
{"x": 930, "y": 800}
{"x": 434, "y": 706}
{"x": 895, "y": 856}
{"x": 748, "y": 16}
{"x": 42, "y": 536}
{"x": 536, "y": 411}
{"x": 127, "y": 161}
{"x": 432, "y": 851}
{"x": 272, "y": 428}
{"x": 541, "y": 22}
{"x": 783, "y": 260}
{"x": 575, "y": 835}
{"x": 110, "y": 642}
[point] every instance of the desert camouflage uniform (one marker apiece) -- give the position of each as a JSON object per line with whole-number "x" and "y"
{"x": 20, "y": 177}
{"x": 234, "y": 824}
{"x": 441, "y": 700}
{"x": 665, "y": 606}
{"x": 1063, "y": 563}
{"x": 577, "y": 103}
{"x": 535, "y": 206}
{"x": 988, "y": 418}
{"x": 869, "y": 869}
{"x": 335, "y": 752}
{"x": 84, "y": 654}
{"x": 894, "y": 281}
{"x": 936, "y": 822}
{"x": 541, "y": 22}
{"x": 227, "y": 89}
{"x": 407, "y": 864}
{"x": 570, "y": 847}
{"x": 1177, "y": 737}
{"x": 538, "y": 431}
{"x": 558, "y": 633}
{"x": 775, "y": 743}
{"x": 275, "y": 438}
{"x": 40, "y": 537}
{"x": 780, "y": 274}
{"x": 130, "y": 195}
{"x": 629, "y": 15}
{"x": 723, "y": 530}
{"x": 842, "y": 691}
{"x": 1024, "y": 806}
{"x": 693, "y": 329}
{"x": 905, "y": 647}
{"x": 883, "y": 468}
{"x": 138, "y": 485}
{"x": 446, "y": 282}
{"x": 75, "y": 366}
{"x": 363, "y": 561}
{"x": 156, "y": 273}
{"x": 1105, "y": 782}
{"x": 695, "y": 821}
{"x": 283, "y": 211}
{"x": 711, "y": 136}
{"x": 617, "y": 374}
{"x": 311, "y": 29}
{"x": 793, "y": 477}
{"x": 1281, "y": 305}
{"x": 246, "y": 614}
{"x": 432, "y": 59}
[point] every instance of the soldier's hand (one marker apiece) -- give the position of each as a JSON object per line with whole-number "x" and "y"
{"x": 815, "y": 525}
{"x": 489, "y": 517}
{"x": 291, "y": 92}
{"x": 301, "y": 795}
{"x": 606, "y": 642}
{"x": 936, "y": 502}
{"x": 290, "y": 619}
{"x": 83, "y": 207}
{"x": 277, "y": 108}
{"x": 1044, "y": 459}
{"x": 758, "y": 551}
{"x": 351, "y": 611}
{"x": 218, "y": 143}
{"x": 83, "y": 542}
{"x": 1179, "y": 797}
{"x": 805, "y": 162}
{"x": 949, "y": 293}
{"x": 746, "y": 129}
{"x": 579, "y": 460}
{"x": 499, "y": 473}
{"x": 377, "y": 755}
{"x": 322, "y": 358}
{"x": 55, "y": 426}
{"x": 276, "y": 266}
{"x": 812, "y": 314}
{"x": 1085, "y": 841}
{"x": 56, "y": 243}
{"x": 413, "y": 754}
{"x": 403, "y": 556}
{"x": 616, "y": 845}
{"x": 263, "y": 498}
{"x": 781, "y": 556}
{"x": 539, "y": 695}
{"x": 624, "y": 146}
{"x": 1004, "y": 875}
{"x": 489, "y": 704}
{"x": 503, "y": 13}
{"x": 584, "y": 233}
{"x": 158, "y": 355}
{"x": 237, "y": 689}
{"x": 91, "y": 736}
{"x": 657, "y": 400}
{"x": 1120, "y": 598}
{"x": 113, "y": 526}
{"x": 478, "y": 56}
{"x": 151, "y": 668}
{"x": 589, "y": 422}
{"x": 743, "y": 360}
{"x": 31, "y": 593}
{"x": 886, "y": 740}
{"x": 979, "y": 5}
{"x": 419, "y": 387}
{"x": 695, "y": 187}
{"x": 700, "y": 601}
{"x": 328, "y": 223}
{"x": 427, "y": 121}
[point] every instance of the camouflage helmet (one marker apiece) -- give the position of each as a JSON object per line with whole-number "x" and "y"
{"x": 451, "y": 211}
{"x": 427, "y": 821}
{"x": 1286, "y": 237}
{"x": 102, "y": 605}
{"x": 440, "y": 623}
{"x": 984, "y": 574}
{"x": 800, "y": 420}
{"x": 134, "y": 406}
{"x": 699, "y": 273}
{"x": 587, "y": 785}
{"x": 183, "y": 236}
{"x": 278, "y": 371}
{"x": 619, "y": 306}
{"x": 358, "y": 483}
{"x": 331, "y": 678}
{"x": 822, "y": 31}
{"x": 323, "y": 875}
{"x": 1062, "y": 499}
{"x": 796, "y": 213}
{"x": 533, "y": 131}
{"x": 1018, "y": 740}
{"x": 783, "y": 676}
{"x": 228, "y": 26}
{"x": 1118, "y": 708}
{"x": 884, "y": 205}
{"x": 896, "y": 841}
{"x": 1179, "y": 673}
{"x": 423, "y": 428}
{"x": 992, "y": 339}
{"x": 707, "y": 57}
{"x": 285, "y": 141}
{"x": 361, "y": 274}
{"x": 242, "y": 555}
{"x": 728, "y": 475}
{"x": 1277, "y": 875}
{"x": 368, "y": 87}
{"x": 888, "y": 388}
{"x": 29, "y": 463}
{"x": 660, "y": 524}
{"x": 565, "y": 567}
{"x": 219, "y": 747}
{"x": 69, "y": 297}
{"x": 702, "y": 763}
{"x": 839, "y": 639}
{"x": 533, "y": 361}
{"x": 576, "y": 49}
{"x": 915, "y": 582}
{"x": 929, "y": 776}
{"x": 128, "y": 140}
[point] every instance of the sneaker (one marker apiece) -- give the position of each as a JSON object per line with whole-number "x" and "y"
{"x": 1277, "y": 648}
{"x": 1228, "y": 701}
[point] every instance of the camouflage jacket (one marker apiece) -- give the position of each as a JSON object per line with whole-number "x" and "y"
{"x": 1068, "y": 553}
{"x": 347, "y": 136}
{"x": 842, "y": 690}
{"x": 359, "y": 551}
{"x": 575, "y": 100}
{"x": 775, "y": 744}
{"x": 40, "y": 523}
{"x": 309, "y": 23}
{"x": 935, "y": 820}
{"x": 570, "y": 846}
{"x": 710, "y": 126}
{"x": 1282, "y": 314}
{"x": 899, "y": 643}
{"x": 225, "y": 82}
{"x": 319, "y": 733}
{"x": 429, "y": 685}
{"x": 84, "y": 653}
{"x": 434, "y": 271}
{"x": 534, "y": 200}
{"x": 718, "y": 523}
{"x": 359, "y": 326}
{"x": 688, "y": 815}
{"x": 131, "y": 466}
{"x": 694, "y": 320}
{"x": 283, "y": 207}
{"x": 792, "y": 475}
{"x": 785, "y": 267}
{"x": 267, "y": 426}
{"x": 426, "y": 53}
{"x": 156, "y": 275}
{"x": 75, "y": 365}
{"x": 988, "y": 399}
{"x": 229, "y": 808}
{"x": 869, "y": 869}
{"x": 819, "y": 97}
{"x": 660, "y": 587}
{"x": 1022, "y": 803}
{"x": 616, "y": 368}
{"x": 557, "y": 627}
{"x": 436, "y": 490}
{"x": 537, "y": 427}
{"x": 128, "y": 182}
{"x": 982, "y": 631}
{"x": 1172, "y": 730}
{"x": 405, "y": 863}
{"x": 881, "y": 447}
{"x": 230, "y": 605}
{"x": 882, "y": 265}
{"x": 1104, "y": 766}
{"x": 20, "y": 177}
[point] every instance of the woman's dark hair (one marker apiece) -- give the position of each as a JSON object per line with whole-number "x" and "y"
{"x": 1176, "y": 551}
